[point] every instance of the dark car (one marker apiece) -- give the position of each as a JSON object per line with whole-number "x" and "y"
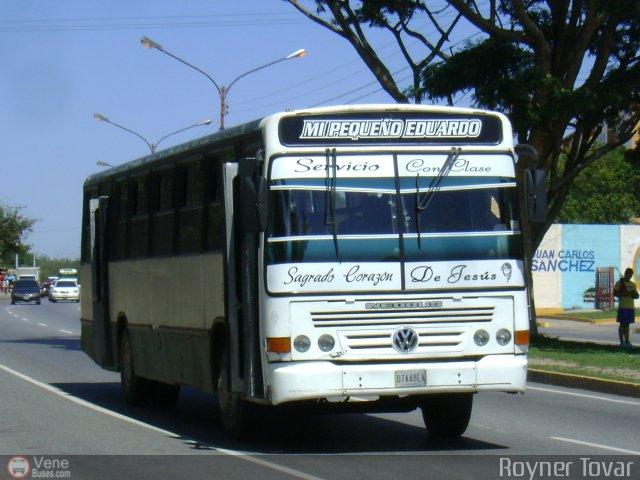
{"x": 25, "y": 291}
{"x": 47, "y": 283}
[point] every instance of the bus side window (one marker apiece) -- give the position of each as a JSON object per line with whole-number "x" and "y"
{"x": 119, "y": 237}
{"x": 190, "y": 208}
{"x": 163, "y": 217}
{"x": 138, "y": 216}
{"x": 213, "y": 193}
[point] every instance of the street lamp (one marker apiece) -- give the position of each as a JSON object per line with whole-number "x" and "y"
{"x": 152, "y": 146}
{"x": 222, "y": 90}
{"x": 100, "y": 163}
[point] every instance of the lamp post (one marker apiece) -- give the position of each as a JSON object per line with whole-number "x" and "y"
{"x": 101, "y": 163}
{"x": 152, "y": 146}
{"x": 222, "y": 90}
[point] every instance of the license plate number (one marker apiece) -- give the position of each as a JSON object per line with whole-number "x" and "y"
{"x": 411, "y": 378}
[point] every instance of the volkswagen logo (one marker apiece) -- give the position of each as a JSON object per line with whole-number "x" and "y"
{"x": 405, "y": 339}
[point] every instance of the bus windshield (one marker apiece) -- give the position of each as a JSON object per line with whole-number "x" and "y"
{"x": 377, "y": 219}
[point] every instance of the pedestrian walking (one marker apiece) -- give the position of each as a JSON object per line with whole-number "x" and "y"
{"x": 627, "y": 292}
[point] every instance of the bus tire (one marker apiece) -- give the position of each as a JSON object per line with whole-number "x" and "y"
{"x": 236, "y": 414}
{"x": 136, "y": 390}
{"x": 447, "y": 415}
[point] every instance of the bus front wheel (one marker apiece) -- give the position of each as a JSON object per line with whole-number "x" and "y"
{"x": 236, "y": 414}
{"x": 447, "y": 415}
{"x": 135, "y": 389}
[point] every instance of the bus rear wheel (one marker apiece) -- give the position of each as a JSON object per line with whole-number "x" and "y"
{"x": 136, "y": 390}
{"x": 447, "y": 415}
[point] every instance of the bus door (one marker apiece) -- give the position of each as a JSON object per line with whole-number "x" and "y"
{"x": 241, "y": 282}
{"x": 99, "y": 281}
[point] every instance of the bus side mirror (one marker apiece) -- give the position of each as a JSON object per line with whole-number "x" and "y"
{"x": 252, "y": 196}
{"x": 535, "y": 195}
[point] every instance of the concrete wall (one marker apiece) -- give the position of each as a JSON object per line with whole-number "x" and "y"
{"x": 564, "y": 266}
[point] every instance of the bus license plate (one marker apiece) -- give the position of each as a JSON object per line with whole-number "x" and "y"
{"x": 411, "y": 378}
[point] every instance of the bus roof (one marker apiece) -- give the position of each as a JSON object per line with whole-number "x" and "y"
{"x": 243, "y": 129}
{"x": 182, "y": 148}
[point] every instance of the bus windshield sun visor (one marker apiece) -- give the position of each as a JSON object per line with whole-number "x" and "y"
{"x": 423, "y": 202}
{"x": 331, "y": 180}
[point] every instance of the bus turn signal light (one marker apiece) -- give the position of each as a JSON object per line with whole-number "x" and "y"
{"x": 522, "y": 337}
{"x": 279, "y": 345}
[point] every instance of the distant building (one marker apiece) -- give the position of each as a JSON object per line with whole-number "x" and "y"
{"x": 31, "y": 273}
{"x": 608, "y": 135}
{"x": 565, "y": 264}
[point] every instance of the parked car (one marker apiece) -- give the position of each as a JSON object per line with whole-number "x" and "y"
{"x": 25, "y": 291}
{"x": 65, "y": 289}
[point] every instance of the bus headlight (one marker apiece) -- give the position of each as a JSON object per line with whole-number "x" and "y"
{"x": 302, "y": 343}
{"x": 481, "y": 338}
{"x": 503, "y": 337}
{"x": 326, "y": 343}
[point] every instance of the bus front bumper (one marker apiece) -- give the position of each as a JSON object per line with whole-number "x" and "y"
{"x": 296, "y": 381}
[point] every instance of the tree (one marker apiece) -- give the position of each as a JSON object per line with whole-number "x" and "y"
{"x": 607, "y": 191}
{"x": 50, "y": 267}
{"x": 560, "y": 69}
{"x": 13, "y": 229}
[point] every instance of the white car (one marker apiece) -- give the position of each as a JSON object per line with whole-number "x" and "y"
{"x": 65, "y": 289}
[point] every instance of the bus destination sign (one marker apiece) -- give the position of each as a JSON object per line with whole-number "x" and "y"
{"x": 375, "y": 129}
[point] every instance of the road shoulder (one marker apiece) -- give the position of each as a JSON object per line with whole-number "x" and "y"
{"x": 583, "y": 382}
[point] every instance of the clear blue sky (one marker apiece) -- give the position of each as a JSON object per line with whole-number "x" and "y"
{"x": 64, "y": 60}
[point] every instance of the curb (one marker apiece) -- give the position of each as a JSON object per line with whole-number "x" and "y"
{"x": 587, "y": 383}
{"x": 580, "y": 319}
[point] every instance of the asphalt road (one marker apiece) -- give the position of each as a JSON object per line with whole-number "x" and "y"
{"x": 606, "y": 333}
{"x": 55, "y": 402}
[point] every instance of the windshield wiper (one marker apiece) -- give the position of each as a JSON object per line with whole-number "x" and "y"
{"x": 330, "y": 209}
{"x": 434, "y": 186}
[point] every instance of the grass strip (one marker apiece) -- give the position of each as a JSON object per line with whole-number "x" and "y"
{"x": 584, "y": 358}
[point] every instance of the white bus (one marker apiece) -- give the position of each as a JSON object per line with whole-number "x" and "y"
{"x": 356, "y": 257}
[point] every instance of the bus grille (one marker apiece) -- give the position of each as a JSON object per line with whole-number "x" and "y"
{"x": 441, "y": 331}
{"x": 391, "y": 318}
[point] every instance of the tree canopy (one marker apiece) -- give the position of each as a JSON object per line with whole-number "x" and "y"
{"x": 607, "y": 191}
{"x": 50, "y": 266}
{"x": 13, "y": 229}
{"x": 561, "y": 70}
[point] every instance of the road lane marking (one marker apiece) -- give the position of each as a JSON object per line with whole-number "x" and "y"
{"x": 234, "y": 453}
{"x": 66, "y": 331}
{"x": 273, "y": 466}
{"x": 596, "y": 445}
{"x": 43, "y": 324}
{"x": 84, "y": 403}
{"x": 584, "y": 395}
{"x": 24, "y": 319}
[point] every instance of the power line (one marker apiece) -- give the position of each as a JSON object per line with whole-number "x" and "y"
{"x": 299, "y": 83}
{"x": 315, "y": 79}
{"x": 160, "y": 17}
{"x": 159, "y": 22}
